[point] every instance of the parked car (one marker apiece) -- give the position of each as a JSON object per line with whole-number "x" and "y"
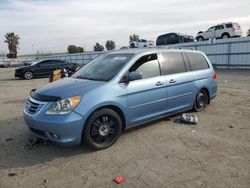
{"x": 124, "y": 48}
{"x": 173, "y": 38}
{"x": 142, "y": 43}
{"x": 117, "y": 91}
{"x": 224, "y": 30}
{"x": 42, "y": 68}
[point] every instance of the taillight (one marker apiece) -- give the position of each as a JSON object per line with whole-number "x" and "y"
{"x": 214, "y": 76}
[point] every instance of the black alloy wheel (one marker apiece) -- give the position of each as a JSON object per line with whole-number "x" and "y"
{"x": 102, "y": 129}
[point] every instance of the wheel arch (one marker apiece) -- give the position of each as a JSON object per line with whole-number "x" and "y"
{"x": 118, "y": 110}
{"x": 225, "y": 33}
{"x": 200, "y": 36}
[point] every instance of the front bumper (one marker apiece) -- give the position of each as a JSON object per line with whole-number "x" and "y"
{"x": 68, "y": 127}
{"x": 18, "y": 74}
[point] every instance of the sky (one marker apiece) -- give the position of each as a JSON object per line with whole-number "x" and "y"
{"x": 52, "y": 25}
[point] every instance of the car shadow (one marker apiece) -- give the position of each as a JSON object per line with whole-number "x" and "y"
{"x": 10, "y": 79}
{"x": 15, "y": 151}
{"x": 151, "y": 123}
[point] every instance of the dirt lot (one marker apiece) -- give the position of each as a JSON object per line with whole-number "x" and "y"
{"x": 215, "y": 153}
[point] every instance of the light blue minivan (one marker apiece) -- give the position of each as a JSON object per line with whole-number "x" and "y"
{"x": 117, "y": 91}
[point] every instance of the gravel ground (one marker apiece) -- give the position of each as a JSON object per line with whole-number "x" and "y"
{"x": 214, "y": 153}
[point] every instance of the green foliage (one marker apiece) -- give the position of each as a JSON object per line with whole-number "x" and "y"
{"x": 13, "y": 41}
{"x": 74, "y": 49}
{"x": 12, "y": 38}
{"x": 98, "y": 47}
{"x": 133, "y": 37}
{"x": 248, "y": 32}
{"x": 110, "y": 45}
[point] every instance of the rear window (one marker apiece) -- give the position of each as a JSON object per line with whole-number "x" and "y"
{"x": 197, "y": 61}
{"x": 229, "y": 25}
{"x": 172, "y": 62}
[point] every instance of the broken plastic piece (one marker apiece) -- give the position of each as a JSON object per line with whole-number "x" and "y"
{"x": 119, "y": 179}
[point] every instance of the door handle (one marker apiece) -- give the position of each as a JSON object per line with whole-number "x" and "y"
{"x": 159, "y": 83}
{"x": 172, "y": 81}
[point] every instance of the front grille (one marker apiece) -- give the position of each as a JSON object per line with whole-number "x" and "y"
{"x": 33, "y": 107}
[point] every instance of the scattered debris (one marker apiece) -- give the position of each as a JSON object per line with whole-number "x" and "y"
{"x": 119, "y": 179}
{"x": 34, "y": 143}
{"x": 166, "y": 156}
{"x": 9, "y": 139}
{"x": 193, "y": 131}
{"x": 231, "y": 126}
{"x": 11, "y": 174}
{"x": 188, "y": 119}
{"x": 45, "y": 181}
{"x": 168, "y": 119}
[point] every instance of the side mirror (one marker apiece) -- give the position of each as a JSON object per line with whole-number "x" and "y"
{"x": 135, "y": 76}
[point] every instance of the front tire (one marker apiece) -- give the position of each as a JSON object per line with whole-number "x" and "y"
{"x": 200, "y": 38}
{"x": 201, "y": 101}
{"x": 102, "y": 129}
{"x": 28, "y": 75}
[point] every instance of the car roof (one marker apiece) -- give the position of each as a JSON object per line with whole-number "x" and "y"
{"x": 52, "y": 60}
{"x": 227, "y": 23}
{"x": 136, "y": 51}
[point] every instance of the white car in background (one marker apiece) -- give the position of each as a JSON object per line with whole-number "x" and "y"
{"x": 224, "y": 30}
{"x": 141, "y": 43}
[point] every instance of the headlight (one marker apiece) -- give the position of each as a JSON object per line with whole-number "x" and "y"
{"x": 64, "y": 106}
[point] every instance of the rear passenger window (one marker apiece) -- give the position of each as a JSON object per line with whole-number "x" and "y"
{"x": 229, "y": 25}
{"x": 197, "y": 61}
{"x": 172, "y": 62}
{"x": 148, "y": 65}
{"x": 218, "y": 27}
{"x": 45, "y": 64}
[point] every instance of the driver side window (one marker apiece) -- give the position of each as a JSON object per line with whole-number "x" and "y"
{"x": 211, "y": 29}
{"x": 148, "y": 65}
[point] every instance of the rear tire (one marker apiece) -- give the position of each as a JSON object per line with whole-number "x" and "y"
{"x": 201, "y": 101}
{"x": 28, "y": 75}
{"x": 102, "y": 129}
{"x": 225, "y": 36}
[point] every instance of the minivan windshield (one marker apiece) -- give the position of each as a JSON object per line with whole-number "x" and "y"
{"x": 103, "y": 68}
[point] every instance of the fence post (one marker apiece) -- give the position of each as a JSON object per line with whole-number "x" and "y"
{"x": 229, "y": 53}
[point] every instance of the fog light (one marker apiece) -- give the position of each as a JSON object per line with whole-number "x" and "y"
{"x": 54, "y": 135}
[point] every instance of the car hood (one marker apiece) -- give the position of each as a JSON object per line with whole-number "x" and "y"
{"x": 68, "y": 87}
{"x": 23, "y": 68}
{"x": 19, "y": 69}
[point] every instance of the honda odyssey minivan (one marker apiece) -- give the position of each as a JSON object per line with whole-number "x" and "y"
{"x": 117, "y": 91}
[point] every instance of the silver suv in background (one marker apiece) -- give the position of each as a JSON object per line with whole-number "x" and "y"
{"x": 141, "y": 43}
{"x": 224, "y": 30}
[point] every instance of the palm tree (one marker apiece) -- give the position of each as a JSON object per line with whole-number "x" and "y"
{"x": 12, "y": 40}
